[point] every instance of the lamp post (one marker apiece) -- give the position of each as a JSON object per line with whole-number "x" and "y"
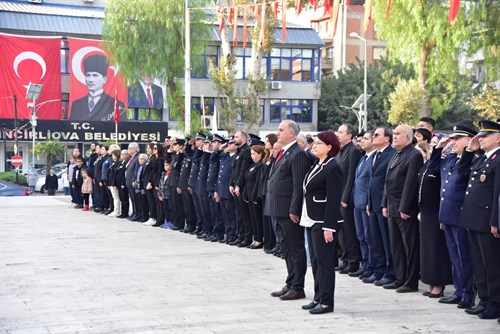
{"x": 33, "y": 92}
{"x": 365, "y": 88}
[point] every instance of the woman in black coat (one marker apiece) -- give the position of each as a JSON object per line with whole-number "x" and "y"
{"x": 250, "y": 195}
{"x": 150, "y": 170}
{"x": 121, "y": 183}
{"x": 157, "y": 173}
{"x": 268, "y": 231}
{"x": 321, "y": 217}
{"x": 435, "y": 265}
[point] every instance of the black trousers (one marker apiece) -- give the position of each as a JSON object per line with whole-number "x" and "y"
{"x": 189, "y": 210}
{"x": 143, "y": 209}
{"x": 105, "y": 196}
{"x": 292, "y": 246}
{"x": 150, "y": 197}
{"x": 240, "y": 227}
{"x": 160, "y": 214}
{"x": 485, "y": 255}
{"x": 216, "y": 214}
{"x": 256, "y": 217}
{"x": 177, "y": 207}
{"x": 268, "y": 233}
{"x": 404, "y": 235}
{"x": 123, "y": 193}
{"x": 197, "y": 210}
{"x": 229, "y": 216}
{"x": 133, "y": 199}
{"x": 348, "y": 239}
{"x": 86, "y": 199}
{"x": 205, "y": 213}
{"x": 245, "y": 229}
{"x": 78, "y": 195}
{"x": 323, "y": 258}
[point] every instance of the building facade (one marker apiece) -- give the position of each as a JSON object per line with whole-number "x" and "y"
{"x": 292, "y": 69}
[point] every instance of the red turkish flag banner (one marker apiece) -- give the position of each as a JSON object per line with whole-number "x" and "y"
{"x": 453, "y": 12}
{"x": 25, "y": 60}
{"x": 93, "y": 83}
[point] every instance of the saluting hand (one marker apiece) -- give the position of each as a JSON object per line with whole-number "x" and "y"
{"x": 474, "y": 144}
{"x": 442, "y": 143}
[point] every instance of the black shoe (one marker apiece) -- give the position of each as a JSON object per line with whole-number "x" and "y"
{"x": 208, "y": 237}
{"x": 383, "y": 281}
{"x": 466, "y": 303}
{"x": 349, "y": 269}
{"x": 426, "y": 294}
{"x": 176, "y": 228}
{"x": 392, "y": 286}
{"x": 217, "y": 239}
{"x": 97, "y": 210}
{"x": 136, "y": 219}
{"x": 123, "y": 216}
{"x": 453, "y": 299}
{"x": 437, "y": 295}
{"x": 475, "y": 310}
{"x": 366, "y": 274}
{"x": 342, "y": 266}
{"x": 357, "y": 273}
{"x": 309, "y": 306}
{"x": 370, "y": 279}
{"x": 254, "y": 246}
{"x": 244, "y": 243}
{"x": 275, "y": 249}
{"x": 489, "y": 314}
{"x": 406, "y": 289}
{"x": 268, "y": 251}
{"x": 319, "y": 309}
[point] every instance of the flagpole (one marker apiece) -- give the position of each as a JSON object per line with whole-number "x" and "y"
{"x": 116, "y": 133}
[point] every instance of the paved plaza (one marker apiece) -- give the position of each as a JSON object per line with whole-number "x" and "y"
{"x": 66, "y": 271}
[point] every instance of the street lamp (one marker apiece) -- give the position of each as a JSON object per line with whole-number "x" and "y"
{"x": 33, "y": 92}
{"x": 365, "y": 88}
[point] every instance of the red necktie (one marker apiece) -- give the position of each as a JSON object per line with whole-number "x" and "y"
{"x": 150, "y": 99}
{"x": 280, "y": 155}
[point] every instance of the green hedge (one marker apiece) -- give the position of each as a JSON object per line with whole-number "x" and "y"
{"x": 11, "y": 177}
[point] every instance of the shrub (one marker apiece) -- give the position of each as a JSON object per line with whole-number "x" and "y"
{"x": 11, "y": 177}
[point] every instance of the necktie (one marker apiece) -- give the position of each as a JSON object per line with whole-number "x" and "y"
{"x": 150, "y": 99}
{"x": 361, "y": 164}
{"x": 279, "y": 156}
{"x": 395, "y": 159}
{"x": 91, "y": 104}
{"x": 375, "y": 158}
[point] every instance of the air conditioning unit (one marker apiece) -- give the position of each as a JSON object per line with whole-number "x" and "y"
{"x": 35, "y": 1}
{"x": 208, "y": 120}
{"x": 276, "y": 85}
{"x": 88, "y": 1}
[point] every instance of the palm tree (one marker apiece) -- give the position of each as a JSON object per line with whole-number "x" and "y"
{"x": 50, "y": 149}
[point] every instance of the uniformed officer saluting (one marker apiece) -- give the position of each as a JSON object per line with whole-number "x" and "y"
{"x": 480, "y": 216}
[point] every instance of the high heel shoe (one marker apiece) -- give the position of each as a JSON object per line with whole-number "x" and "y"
{"x": 437, "y": 295}
{"x": 426, "y": 293}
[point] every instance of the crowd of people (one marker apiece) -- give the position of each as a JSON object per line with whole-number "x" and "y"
{"x": 390, "y": 207}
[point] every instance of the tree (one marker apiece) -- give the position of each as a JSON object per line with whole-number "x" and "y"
{"x": 418, "y": 32}
{"x": 407, "y": 102}
{"x": 345, "y": 88}
{"x": 50, "y": 149}
{"x": 487, "y": 102}
{"x": 223, "y": 76}
{"x": 146, "y": 38}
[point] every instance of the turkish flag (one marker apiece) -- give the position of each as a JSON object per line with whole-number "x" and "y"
{"x": 453, "y": 12}
{"x": 93, "y": 83}
{"x": 25, "y": 60}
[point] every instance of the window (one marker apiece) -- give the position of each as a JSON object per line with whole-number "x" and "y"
{"x": 298, "y": 110}
{"x": 64, "y": 57}
{"x": 201, "y": 63}
{"x": 65, "y": 105}
{"x": 292, "y": 64}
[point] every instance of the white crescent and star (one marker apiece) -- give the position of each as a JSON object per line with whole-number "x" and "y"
{"x": 29, "y": 55}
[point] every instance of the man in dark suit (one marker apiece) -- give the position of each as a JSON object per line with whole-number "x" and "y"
{"x": 284, "y": 202}
{"x": 130, "y": 173}
{"x": 348, "y": 159}
{"x": 400, "y": 205}
{"x": 455, "y": 172}
{"x": 480, "y": 217}
{"x": 222, "y": 193}
{"x": 96, "y": 105}
{"x": 213, "y": 174}
{"x": 145, "y": 94}
{"x": 241, "y": 164}
{"x": 360, "y": 200}
{"x": 383, "y": 267}
{"x": 193, "y": 177}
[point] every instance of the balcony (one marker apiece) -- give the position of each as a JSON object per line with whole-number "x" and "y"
{"x": 326, "y": 63}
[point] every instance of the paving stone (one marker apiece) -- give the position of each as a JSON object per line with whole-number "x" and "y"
{"x": 67, "y": 271}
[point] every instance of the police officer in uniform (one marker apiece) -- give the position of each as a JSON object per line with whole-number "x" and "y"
{"x": 455, "y": 170}
{"x": 480, "y": 219}
{"x": 193, "y": 177}
{"x": 201, "y": 190}
{"x": 222, "y": 193}
{"x": 213, "y": 173}
{"x": 187, "y": 198}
